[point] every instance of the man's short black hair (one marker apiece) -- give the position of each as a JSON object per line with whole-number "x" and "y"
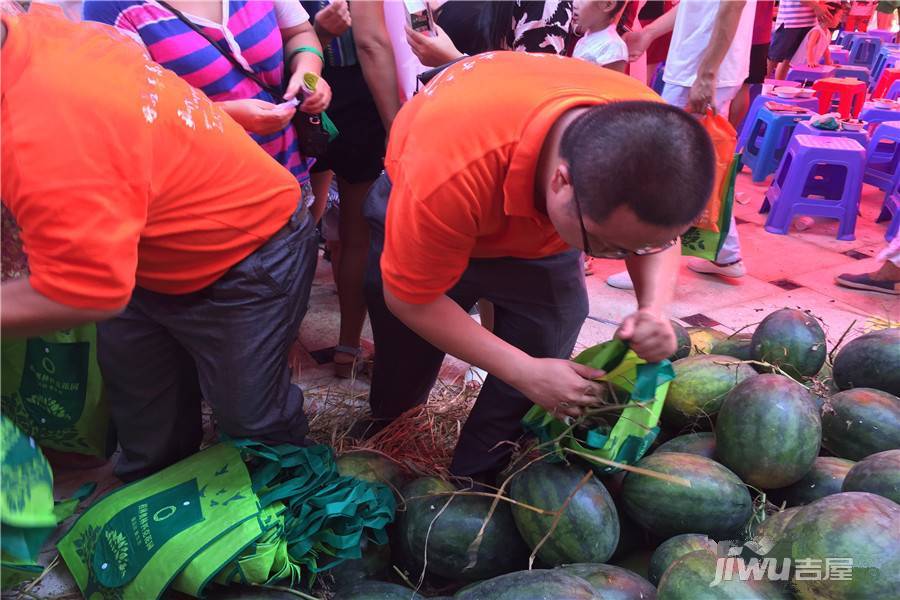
{"x": 654, "y": 158}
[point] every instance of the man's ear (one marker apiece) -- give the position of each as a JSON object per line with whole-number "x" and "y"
{"x": 561, "y": 178}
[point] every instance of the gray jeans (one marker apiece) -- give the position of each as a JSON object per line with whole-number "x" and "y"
{"x": 227, "y": 343}
{"x": 539, "y": 307}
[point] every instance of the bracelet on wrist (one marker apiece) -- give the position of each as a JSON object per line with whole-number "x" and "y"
{"x": 309, "y": 49}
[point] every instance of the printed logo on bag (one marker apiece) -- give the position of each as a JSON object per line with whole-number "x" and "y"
{"x": 130, "y": 538}
{"x": 54, "y": 382}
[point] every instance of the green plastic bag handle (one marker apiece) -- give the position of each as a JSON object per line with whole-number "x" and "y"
{"x": 636, "y": 428}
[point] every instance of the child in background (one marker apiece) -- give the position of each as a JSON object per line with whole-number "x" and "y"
{"x": 813, "y": 50}
{"x": 601, "y": 43}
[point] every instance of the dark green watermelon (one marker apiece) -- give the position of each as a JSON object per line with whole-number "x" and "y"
{"x": 683, "y": 341}
{"x": 589, "y": 528}
{"x": 694, "y": 577}
{"x": 674, "y": 548}
{"x": 701, "y": 444}
{"x": 375, "y": 562}
{"x": 700, "y": 385}
{"x": 860, "y": 422}
{"x": 370, "y": 466}
{"x": 537, "y": 584}
{"x": 636, "y": 562}
{"x": 772, "y": 528}
{"x": 791, "y": 340}
{"x": 452, "y": 532}
{"x": 717, "y": 503}
{"x": 613, "y": 583}
{"x": 375, "y": 590}
{"x": 238, "y": 591}
{"x": 703, "y": 338}
{"x": 737, "y": 345}
{"x": 824, "y": 478}
{"x": 876, "y": 474}
{"x": 768, "y": 431}
{"x": 870, "y": 361}
{"x": 850, "y": 525}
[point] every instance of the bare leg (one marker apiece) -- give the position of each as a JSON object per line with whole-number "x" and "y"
{"x": 321, "y": 182}
{"x": 354, "y": 234}
{"x": 740, "y": 105}
{"x": 783, "y": 69}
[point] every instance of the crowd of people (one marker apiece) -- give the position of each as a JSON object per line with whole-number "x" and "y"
{"x": 175, "y": 193}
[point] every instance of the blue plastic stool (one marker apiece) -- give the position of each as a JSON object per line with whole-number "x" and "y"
{"x": 846, "y": 39}
{"x": 887, "y": 58}
{"x": 768, "y": 138}
{"x": 657, "y": 84}
{"x": 894, "y": 92}
{"x": 856, "y": 71}
{"x": 891, "y": 210}
{"x": 864, "y": 50}
{"x": 758, "y": 102}
{"x": 839, "y": 55}
{"x": 820, "y": 177}
{"x": 883, "y": 157}
{"x": 805, "y": 74}
{"x": 873, "y": 115}
{"x": 805, "y": 128}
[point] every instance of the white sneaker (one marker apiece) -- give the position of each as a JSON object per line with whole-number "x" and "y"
{"x": 621, "y": 281}
{"x": 707, "y": 267}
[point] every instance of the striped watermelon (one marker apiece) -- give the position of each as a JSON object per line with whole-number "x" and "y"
{"x": 824, "y": 478}
{"x": 673, "y": 549}
{"x": 876, "y": 474}
{"x": 860, "y": 422}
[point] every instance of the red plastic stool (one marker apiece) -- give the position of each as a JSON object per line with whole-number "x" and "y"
{"x": 851, "y": 92}
{"x": 888, "y": 76}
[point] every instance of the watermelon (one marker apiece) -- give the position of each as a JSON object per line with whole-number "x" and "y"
{"x": 871, "y": 361}
{"x": 613, "y": 583}
{"x": 450, "y": 532}
{"x": 683, "y": 340}
{"x": 858, "y": 526}
{"x": 694, "y": 577}
{"x": 589, "y": 528}
{"x": 636, "y": 562}
{"x": 737, "y": 345}
{"x": 673, "y": 549}
{"x": 717, "y": 503}
{"x": 768, "y": 431}
{"x": 772, "y": 528}
{"x": 860, "y": 422}
{"x": 876, "y": 474}
{"x": 372, "y": 467}
{"x": 823, "y": 479}
{"x": 375, "y": 561}
{"x": 376, "y": 590}
{"x": 538, "y": 584}
{"x": 700, "y": 385}
{"x": 791, "y": 340}
{"x": 701, "y": 444}
{"x": 703, "y": 338}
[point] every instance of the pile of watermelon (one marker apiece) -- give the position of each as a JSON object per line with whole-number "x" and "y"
{"x": 776, "y": 475}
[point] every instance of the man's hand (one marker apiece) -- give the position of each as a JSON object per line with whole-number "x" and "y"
{"x": 702, "y": 96}
{"x": 637, "y": 42}
{"x": 649, "y": 334}
{"x": 562, "y": 387}
{"x": 316, "y": 102}
{"x": 432, "y": 50}
{"x": 333, "y": 20}
{"x": 259, "y": 116}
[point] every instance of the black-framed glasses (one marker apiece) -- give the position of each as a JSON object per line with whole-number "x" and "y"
{"x": 618, "y": 253}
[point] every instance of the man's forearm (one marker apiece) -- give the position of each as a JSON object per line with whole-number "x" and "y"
{"x": 663, "y": 25}
{"x": 25, "y": 312}
{"x": 724, "y": 29}
{"x": 654, "y": 277}
{"x": 448, "y": 327}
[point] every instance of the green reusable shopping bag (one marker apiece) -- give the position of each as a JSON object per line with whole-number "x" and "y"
{"x": 704, "y": 243}
{"x": 26, "y": 509}
{"x": 638, "y": 425}
{"x": 52, "y": 389}
{"x": 133, "y": 542}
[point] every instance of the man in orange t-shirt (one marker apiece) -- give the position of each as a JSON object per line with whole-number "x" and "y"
{"x": 498, "y": 169}
{"x": 144, "y": 207}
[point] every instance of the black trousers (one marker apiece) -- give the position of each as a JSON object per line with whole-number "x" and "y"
{"x": 539, "y": 307}
{"x": 227, "y": 343}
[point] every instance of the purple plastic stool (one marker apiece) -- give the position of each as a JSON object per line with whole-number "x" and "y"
{"x": 809, "y": 74}
{"x": 872, "y": 115}
{"x": 839, "y": 55}
{"x": 884, "y": 35}
{"x": 811, "y": 104}
{"x": 891, "y": 210}
{"x": 820, "y": 177}
{"x": 805, "y": 128}
{"x": 883, "y": 157}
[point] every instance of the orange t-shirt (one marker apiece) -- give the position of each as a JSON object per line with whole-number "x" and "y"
{"x": 462, "y": 160}
{"x": 121, "y": 174}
